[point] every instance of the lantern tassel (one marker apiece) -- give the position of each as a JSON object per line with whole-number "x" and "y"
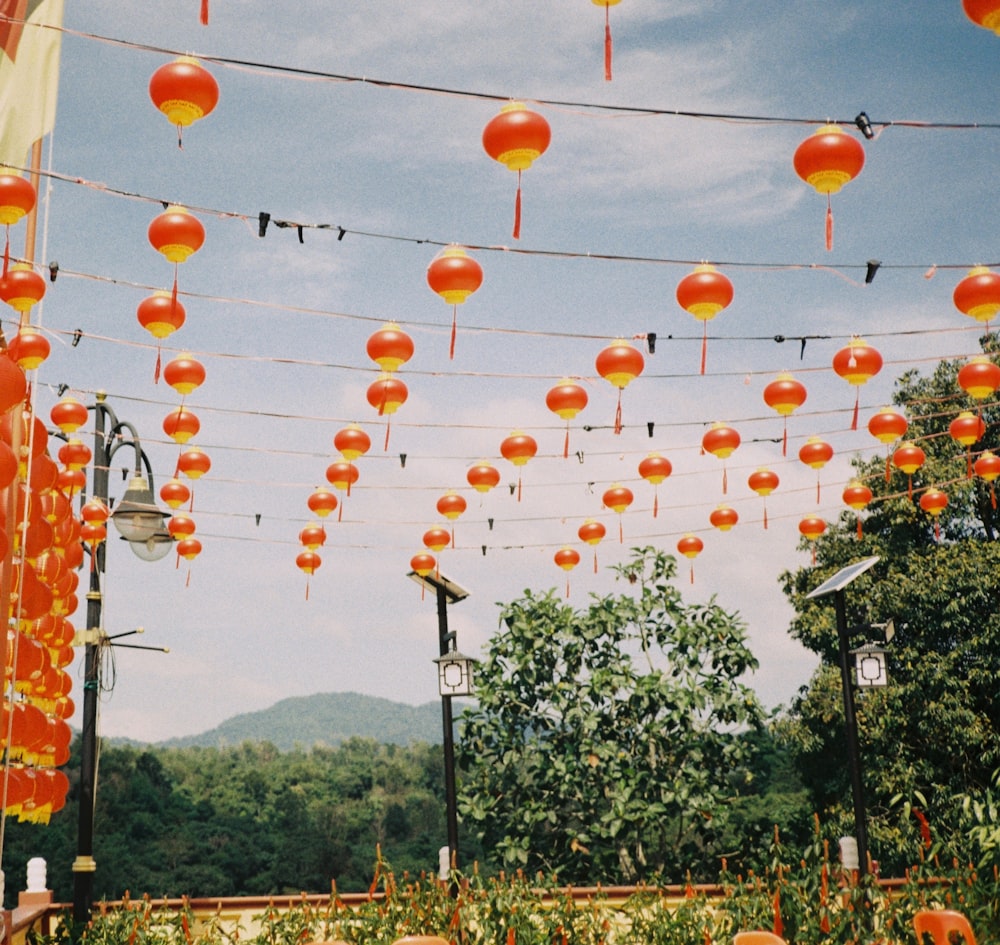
{"x": 607, "y": 43}
{"x": 859, "y": 526}
{"x": 187, "y": 580}
{"x": 691, "y": 577}
{"x": 656, "y": 502}
{"x": 6, "y": 252}
{"x": 517, "y": 209}
{"x": 857, "y": 403}
{"x": 937, "y": 530}
{"x": 454, "y": 329}
{"x": 173, "y": 292}
{"x": 385, "y": 446}
{"x": 307, "y": 588}
{"x": 204, "y": 13}
{"x": 704, "y": 345}
{"x": 909, "y": 487}
{"x": 814, "y": 556}
{"x": 452, "y": 536}
{"x": 340, "y": 512}
{"x": 888, "y": 471}
{"x": 566, "y": 444}
{"x": 725, "y": 480}
{"x": 595, "y": 561}
{"x": 180, "y": 138}
{"x": 567, "y": 587}
{"x": 784, "y": 439}
{"x": 765, "y": 513}
{"x": 156, "y": 370}
{"x": 993, "y": 496}
{"x": 817, "y": 488}
{"x": 518, "y": 487}
{"x": 618, "y": 413}
{"x": 829, "y": 224}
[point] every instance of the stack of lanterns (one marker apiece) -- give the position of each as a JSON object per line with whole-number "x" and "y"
{"x": 390, "y": 348}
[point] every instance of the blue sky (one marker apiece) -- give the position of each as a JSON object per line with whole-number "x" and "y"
{"x": 281, "y": 325}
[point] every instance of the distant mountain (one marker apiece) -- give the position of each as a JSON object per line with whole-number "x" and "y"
{"x": 325, "y": 719}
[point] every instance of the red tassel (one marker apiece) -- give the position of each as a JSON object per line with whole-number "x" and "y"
{"x": 187, "y": 580}
{"x": 621, "y": 534}
{"x": 993, "y": 496}
{"x": 340, "y": 512}
{"x": 452, "y": 536}
{"x": 779, "y": 926}
{"x": 385, "y": 445}
{"x": 817, "y": 488}
{"x": 814, "y": 556}
{"x": 704, "y": 345}
{"x": 725, "y": 481}
{"x": 454, "y": 319}
{"x": 656, "y": 502}
{"x": 204, "y": 16}
{"x": 349, "y": 480}
{"x": 691, "y": 578}
{"x": 566, "y": 444}
{"x": 518, "y": 487}
{"x": 909, "y": 487}
{"x": 607, "y": 44}
{"x": 784, "y": 440}
{"x": 859, "y": 526}
{"x": 173, "y": 293}
{"x": 307, "y": 588}
{"x": 567, "y": 587}
{"x": 156, "y": 370}
{"x": 6, "y": 252}
{"x": 854, "y": 418}
{"x": 937, "y": 530}
{"x": 595, "y": 561}
{"x": 888, "y": 471}
{"x": 765, "y": 513}
{"x": 517, "y": 209}
{"x": 829, "y": 224}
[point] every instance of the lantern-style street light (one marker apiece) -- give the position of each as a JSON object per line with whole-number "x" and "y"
{"x": 141, "y": 523}
{"x": 454, "y": 679}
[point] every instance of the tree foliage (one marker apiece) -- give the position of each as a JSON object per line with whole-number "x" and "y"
{"x": 934, "y": 732}
{"x": 603, "y": 741}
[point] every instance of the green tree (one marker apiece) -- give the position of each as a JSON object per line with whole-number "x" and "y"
{"x": 603, "y": 740}
{"x": 934, "y": 732}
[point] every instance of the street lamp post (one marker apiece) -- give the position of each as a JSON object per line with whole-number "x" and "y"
{"x": 454, "y": 678}
{"x": 142, "y": 524}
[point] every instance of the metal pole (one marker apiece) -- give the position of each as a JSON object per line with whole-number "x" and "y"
{"x": 851, "y": 724}
{"x": 451, "y": 804}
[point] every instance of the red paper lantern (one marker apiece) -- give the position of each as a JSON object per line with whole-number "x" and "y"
{"x": 21, "y": 288}
{"x": 966, "y": 429}
{"x": 566, "y": 400}
{"x": 987, "y": 467}
{"x": 857, "y": 363}
{"x": 74, "y": 453}
{"x": 827, "y": 160}
{"x": 387, "y": 394}
{"x": 160, "y": 314}
{"x": 619, "y": 364}
{"x": 887, "y": 426}
{"x": 68, "y": 415}
{"x": 592, "y": 532}
{"x": 313, "y": 536}
{"x": 17, "y": 200}
{"x": 185, "y": 91}
{"x": 13, "y": 385}
{"x": 181, "y": 424}
{"x": 978, "y": 294}
{"x": 857, "y": 496}
{"x": 516, "y": 138}
{"x": 518, "y": 448}
{"x": 618, "y": 498}
{"x": 979, "y": 378}
{"x": 984, "y": 13}
{"x": 308, "y": 563}
{"x": 654, "y": 468}
{"x": 784, "y": 394}
{"x": 763, "y": 481}
{"x": 176, "y": 234}
{"x": 454, "y": 275}
{"x": 934, "y": 502}
{"x": 909, "y": 458}
{"x": 342, "y": 476}
{"x": 390, "y": 347}
{"x": 181, "y": 527}
{"x": 816, "y": 453}
{"x": 184, "y": 374}
{"x": 352, "y": 442}
{"x": 28, "y": 348}
{"x": 423, "y": 564}
{"x": 483, "y": 477}
{"x": 175, "y": 493}
{"x": 690, "y": 546}
{"x": 812, "y": 527}
{"x": 723, "y": 517}
{"x": 704, "y": 293}
{"x": 437, "y": 539}
{"x": 451, "y": 505}
{"x": 189, "y": 548}
{"x": 321, "y": 502}
{"x": 194, "y": 463}
{"x": 567, "y": 558}
{"x": 721, "y": 441}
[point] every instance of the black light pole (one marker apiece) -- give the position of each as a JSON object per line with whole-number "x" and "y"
{"x": 835, "y": 585}
{"x": 142, "y": 524}
{"x": 449, "y": 658}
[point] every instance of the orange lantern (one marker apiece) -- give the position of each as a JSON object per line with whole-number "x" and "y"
{"x": 592, "y": 532}
{"x": 887, "y": 426}
{"x": 704, "y": 293}
{"x": 987, "y": 468}
{"x": 313, "y": 536}
{"x": 185, "y": 91}
{"x": 816, "y": 453}
{"x": 342, "y": 476}
{"x": 68, "y": 414}
{"x": 723, "y": 517}
{"x": 184, "y": 374}
{"x": 175, "y": 493}
{"x": 783, "y": 395}
{"x": 654, "y": 468}
{"x": 390, "y": 347}
{"x": 387, "y": 394}
{"x": 194, "y": 462}
{"x": 176, "y": 235}
{"x": 160, "y": 314}
{"x": 979, "y": 378}
{"x": 308, "y": 563}
{"x": 857, "y": 496}
{"x": 812, "y": 526}
{"x": 518, "y": 448}
{"x": 352, "y": 442}
{"x": 28, "y": 348}
{"x": 857, "y": 363}
{"x": 763, "y": 481}
{"x": 909, "y": 458}
{"x": 71, "y": 481}
{"x": 566, "y": 400}
{"x": 181, "y": 424}
{"x": 690, "y": 546}
{"x": 451, "y": 505}
{"x": 984, "y": 13}
{"x": 437, "y": 539}
{"x": 454, "y": 275}
{"x": 483, "y": 477}
{"x": 619, "y": 364}
{"x": 721, "y": 441}
{"x": 422, "y": 564}
{"x": 21, "y": 288}
{"x": 567, "y": 558}
{"x": 181, "y": 527}
{"x": 516, "y": 138}
{"x": 934, "y": 502}
{"x": 827, "y": 160}
{"x": 978, "y": 294}
{"x": 321, "y": 502}
{"x": 966, "y": 429}
{"x": 74, "y": 453}
{"x": 188, "y": 549}
{"x": 13, "y": 385}
{"x": 618, "y": 498}
{"x": 17, "y": 200}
